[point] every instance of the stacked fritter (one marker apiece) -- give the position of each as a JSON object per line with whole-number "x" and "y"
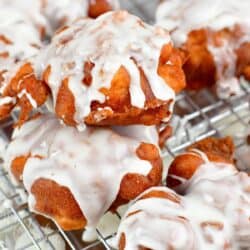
{"x": 79, "y": 160}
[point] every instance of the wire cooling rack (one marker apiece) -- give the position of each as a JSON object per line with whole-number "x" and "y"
{"x": 197, "y": 116}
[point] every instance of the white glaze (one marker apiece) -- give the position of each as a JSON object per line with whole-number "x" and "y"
{"x": 147, "y": 134}
{"x": 216, "y": 192}
{"x": 208, "y": 170}
{"x": 16, "y": 27}
{"x": 225, "y": 61}
{"x": 22, "y": 24}
{"x": 85, "y": 162}
{"x": 7, "y": 100}
{"x": 107, "y": 226}
{"x": 64, "y": 12}
{"x": 159, "y": 224}
{"x": 220, "y": 185}
{"x": 230, "y": 195}
{"x": 32, "y": 101}
{"x": 181, "y": 17}
{"x": 102, "y": 42}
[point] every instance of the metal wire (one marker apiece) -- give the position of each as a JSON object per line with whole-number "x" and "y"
{"x": 198, "y": 115}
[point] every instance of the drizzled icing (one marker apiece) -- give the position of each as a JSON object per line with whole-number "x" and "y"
{"x": 147, "y": 134}
{"x": 208, "y": 170}
{"x": 225, "y": 60}
{"x": 220, "y": 185}
{"x": 24, "y": 23}
{"x": 181, "y": 17}
{"x": 160, "y": 223}
{"x": 233, "y": 198}
{"x": 69, "y": 159}
{"x": 7, "y": 100}
{"x": 231, "y": 195}
{"x": 103, "y": 42}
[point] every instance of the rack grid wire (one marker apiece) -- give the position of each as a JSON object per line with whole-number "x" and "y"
{"x": 197, "y": 116}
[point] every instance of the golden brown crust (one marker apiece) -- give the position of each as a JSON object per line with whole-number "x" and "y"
{"x": 122, "y": 242}
{"x": 149, "y": 116}
{"x": 115, "y": 110}
{"x": 24, "y": 80}
{"x": 52, "y": 199}
{"x": 5, "y": 40}
{"x": 243, "y": 60}
{"x": 17, "y": 166}
{"x": 185, "y": 165}
{"x": 221, "y": 150}
{"x": 134, "y": 184}
{"x": 58, "y": 202}
{"x": 98, "y": 7}
{"x": 172, "y": 72}
{"x": 123, "y": 113}
{"x": 5, "y": 110}
{"x": 164, "y": 135}
{"x": 65, "y": 107}
{"x": 199, "y": 68}
{"x": 118, "y": 96}
{"x": 161, "y": 194}
{"x": 87, "y": 80}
